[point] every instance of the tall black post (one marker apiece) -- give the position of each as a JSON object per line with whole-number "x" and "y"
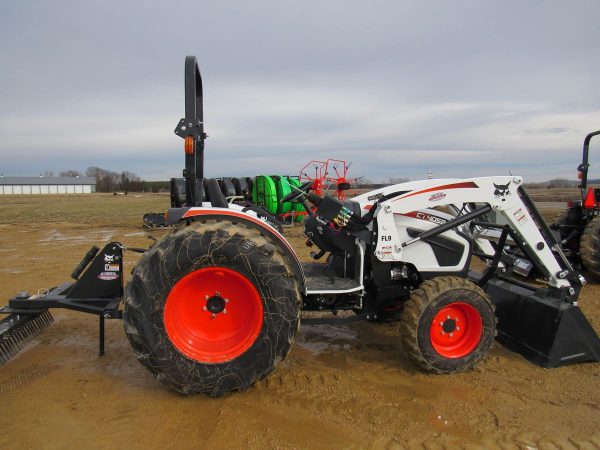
{"x": 584, "y": 166}
{"x": 191, "y": 128}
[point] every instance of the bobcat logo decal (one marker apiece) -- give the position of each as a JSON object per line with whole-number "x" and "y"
{"x": 502, "y": 190}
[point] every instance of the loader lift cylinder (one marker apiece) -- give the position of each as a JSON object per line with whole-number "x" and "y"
{"x": 450, "y": 224}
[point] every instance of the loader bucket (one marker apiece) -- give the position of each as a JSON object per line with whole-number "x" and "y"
{"x": 547, "y": 331}
{"x": 16, "y": 330}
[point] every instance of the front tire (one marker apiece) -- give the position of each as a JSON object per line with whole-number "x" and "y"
{"x": 589, "y": 248}
{"x": 212, "y": 308}
{"x": 448, "y": 325}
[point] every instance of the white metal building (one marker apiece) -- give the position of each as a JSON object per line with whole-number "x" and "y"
{"x": 47, "y": 185}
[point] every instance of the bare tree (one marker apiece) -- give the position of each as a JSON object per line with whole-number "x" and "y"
{"x": 109, "y": 181}
{"x": 70, "y": 173}
{"x": 559, "y": 183}
{"x": 397, "y": 180}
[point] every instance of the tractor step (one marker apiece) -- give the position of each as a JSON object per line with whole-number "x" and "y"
{"x": 16, "y": 330}
{"x": 320, "y": 279}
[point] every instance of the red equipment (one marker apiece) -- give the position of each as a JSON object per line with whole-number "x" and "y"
{"x": 324, "y": 172}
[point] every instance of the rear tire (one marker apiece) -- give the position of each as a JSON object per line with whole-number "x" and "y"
{"x": 212, "y": 308}
{"x": 590, "y": 249}
{"x": 448, "y": 325}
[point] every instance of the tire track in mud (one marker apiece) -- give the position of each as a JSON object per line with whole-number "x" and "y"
{"x": 528, "y": 440}
{"x": 24, "y": 377}
{"x": 394, "y": 418}
{"x": 328, "y": 397}
{"x": 386, "y": 400}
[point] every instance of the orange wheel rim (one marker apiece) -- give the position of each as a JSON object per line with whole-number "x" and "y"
{"x": 213, "y": 315}
{"x": 456, "y": 330}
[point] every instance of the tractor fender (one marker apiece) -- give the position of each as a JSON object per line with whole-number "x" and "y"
{"x": 254, "y": 222}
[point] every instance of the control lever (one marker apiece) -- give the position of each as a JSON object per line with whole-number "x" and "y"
{"x": 319, "y": 255}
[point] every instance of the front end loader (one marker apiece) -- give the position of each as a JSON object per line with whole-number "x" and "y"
{"x": 214, "y": 306}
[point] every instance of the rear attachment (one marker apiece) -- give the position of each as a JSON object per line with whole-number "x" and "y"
{"x": 97, "y": 290}
{"x": 17, "y": 330}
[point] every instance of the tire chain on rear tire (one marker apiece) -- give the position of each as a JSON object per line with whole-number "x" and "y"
{"x": 589, "y": 248}
{"x": 202, "y": 244}
{"x": 415, "y": 332}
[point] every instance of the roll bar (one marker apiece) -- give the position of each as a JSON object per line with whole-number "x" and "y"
{"x": 191, "y": 129}
{"x": 584, "y": 166}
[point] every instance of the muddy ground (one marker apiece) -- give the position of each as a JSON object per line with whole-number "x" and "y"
{"x": 343, "y": 386}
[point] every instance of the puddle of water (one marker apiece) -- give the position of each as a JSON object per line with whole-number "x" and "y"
{"x": 318, "y": 338}
{"x": 106, "y": 235}
{"x": 93, "y": 236}
{"x": 53, "y": 235}
{"x": 12, "y": 271}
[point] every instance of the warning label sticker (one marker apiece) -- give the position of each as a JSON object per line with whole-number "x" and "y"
{"x": 386, "y": 252}
{"x": 520, "y": 216}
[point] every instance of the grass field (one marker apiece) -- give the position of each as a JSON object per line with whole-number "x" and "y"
{"x": 127, "y": 210}
{"x": 97, "y": 209}
{"x": 342, "y": 386}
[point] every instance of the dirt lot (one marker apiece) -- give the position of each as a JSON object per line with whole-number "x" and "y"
{"x": 346, "y": 386}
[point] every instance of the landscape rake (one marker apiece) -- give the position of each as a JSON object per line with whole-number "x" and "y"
{"x": 98, "y": 291}
{"x": 16, "y": 330}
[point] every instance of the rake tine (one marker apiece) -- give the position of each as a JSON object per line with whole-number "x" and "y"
{"x": 22, "y": 330}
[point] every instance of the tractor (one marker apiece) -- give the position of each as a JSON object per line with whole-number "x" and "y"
{"x": 578, "y": 229}
{"x": 215, "y": 305}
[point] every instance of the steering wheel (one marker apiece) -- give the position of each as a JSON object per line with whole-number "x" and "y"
{"x": 298, "y": 192}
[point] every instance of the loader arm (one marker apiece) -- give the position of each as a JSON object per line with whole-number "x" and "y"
{"x": 503, "y": 194}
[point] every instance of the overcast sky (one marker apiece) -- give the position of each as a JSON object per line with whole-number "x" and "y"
{"x": 462, "y": 88}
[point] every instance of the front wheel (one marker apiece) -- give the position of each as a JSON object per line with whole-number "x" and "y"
{"x": 448, "y": 325}
{"x": 590, "y": 248}
{"x": 212, "y": 308}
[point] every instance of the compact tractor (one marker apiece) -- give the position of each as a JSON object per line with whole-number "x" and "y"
{"x": 214, "y": 305}
{"x": 579, "y": 232}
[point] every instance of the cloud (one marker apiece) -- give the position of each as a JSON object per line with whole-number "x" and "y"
{"x": 399, "y": 88}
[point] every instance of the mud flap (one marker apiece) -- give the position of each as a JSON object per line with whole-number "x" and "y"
{"x": 547, "y": 331}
